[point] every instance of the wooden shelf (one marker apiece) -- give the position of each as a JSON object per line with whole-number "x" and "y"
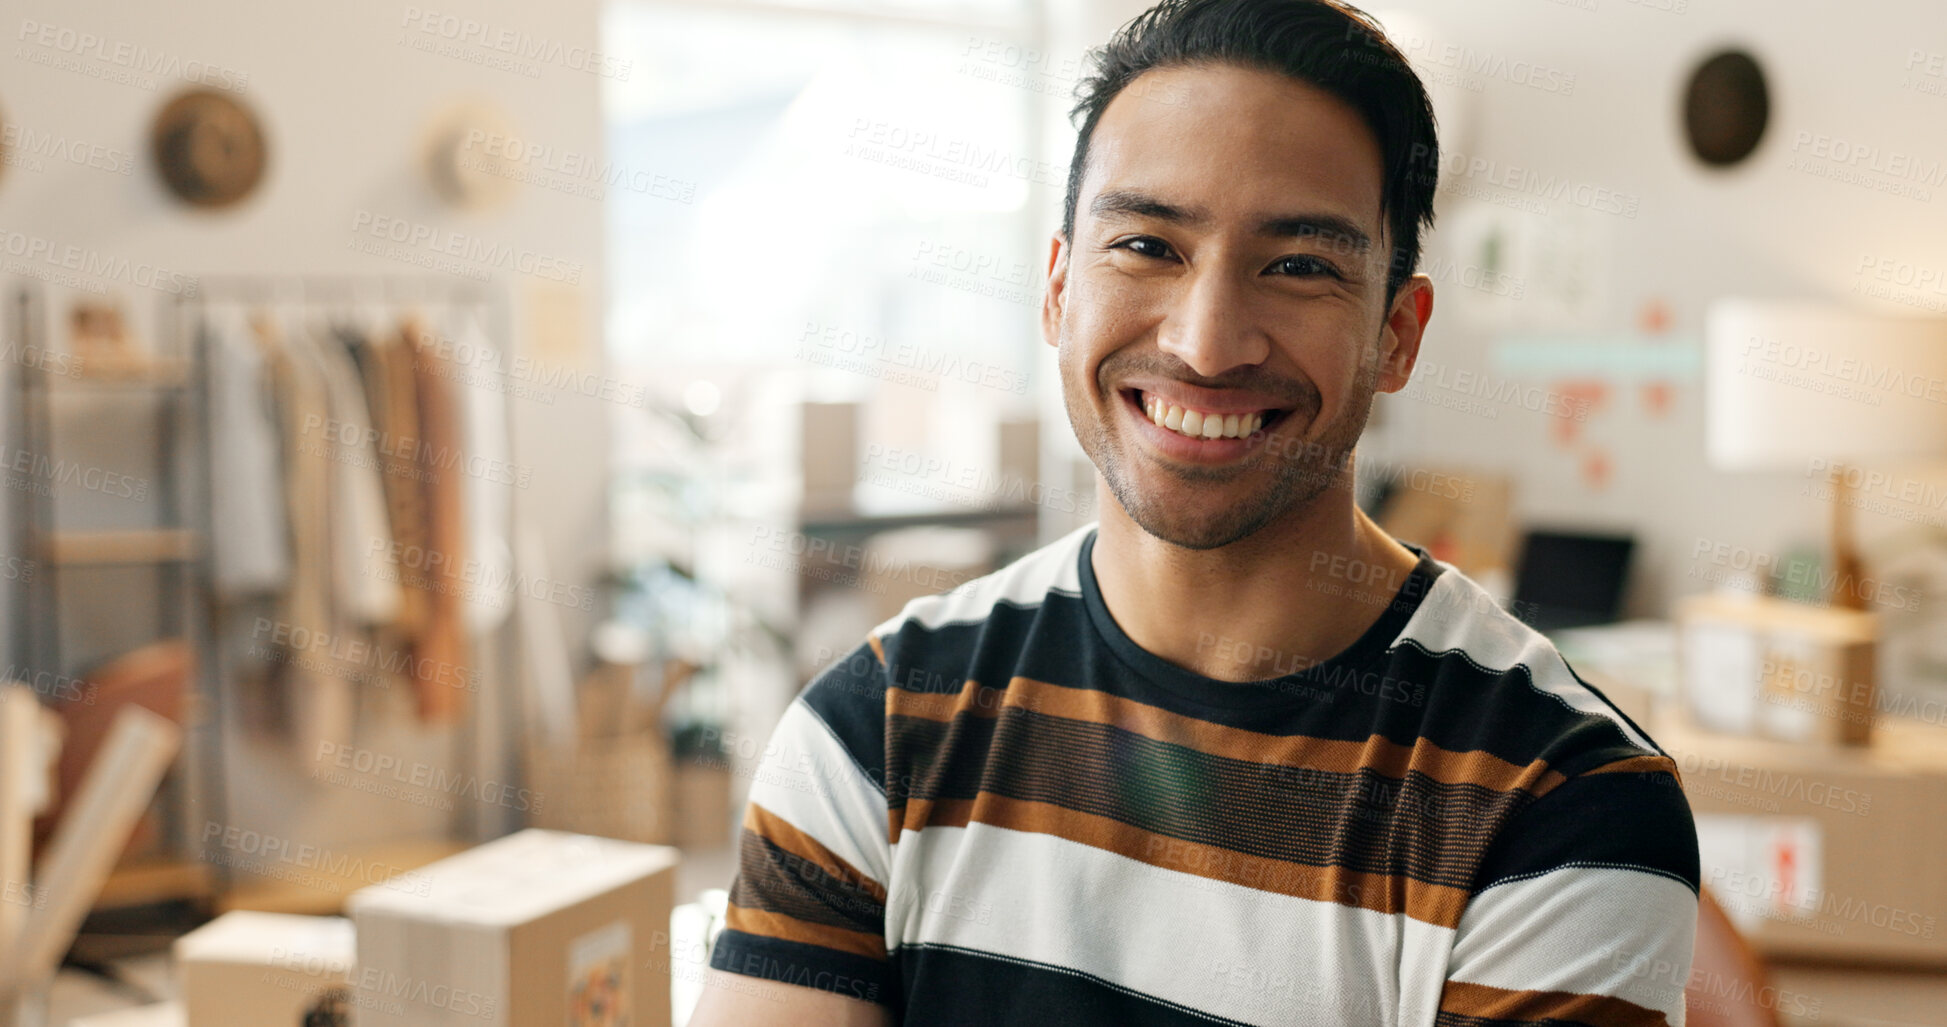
{"x": 851, "y": 525}
{"x": 320, "y": 888}
{"x": 163, "y": 373}
{"x": 157, "y": 545}
{"x": 149, "y": 882}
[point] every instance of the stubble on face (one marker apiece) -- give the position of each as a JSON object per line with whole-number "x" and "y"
{"x": 1295, "y": 466}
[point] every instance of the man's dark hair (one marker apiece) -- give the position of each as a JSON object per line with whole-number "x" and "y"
{"x": 1332, "y": 46}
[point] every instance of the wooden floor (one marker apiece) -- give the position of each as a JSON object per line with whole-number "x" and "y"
{"x": 146, "y": 979}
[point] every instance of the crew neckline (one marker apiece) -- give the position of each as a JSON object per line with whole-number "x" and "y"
{"x": 1289, "y": 689}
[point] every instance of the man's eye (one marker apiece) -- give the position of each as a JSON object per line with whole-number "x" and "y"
{"x": 1305, "y": 267}
{"x": 1157, "y": 247}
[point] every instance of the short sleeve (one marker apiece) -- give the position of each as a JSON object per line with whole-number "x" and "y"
{"x": 1585, "y": 908}
{"x": 807, "y": 905}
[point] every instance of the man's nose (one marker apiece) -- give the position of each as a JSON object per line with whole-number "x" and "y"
{"x": 1211, "y": 328}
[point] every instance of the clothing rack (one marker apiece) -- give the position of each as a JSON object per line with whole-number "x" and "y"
{"x": 480, "y": 747}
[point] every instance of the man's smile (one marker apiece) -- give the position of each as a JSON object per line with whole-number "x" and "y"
{"x": 1201, "y": 425}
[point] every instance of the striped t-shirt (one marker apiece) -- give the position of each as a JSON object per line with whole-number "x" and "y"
{"x": 999, "y": 809}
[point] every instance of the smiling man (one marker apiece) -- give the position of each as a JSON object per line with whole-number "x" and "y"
{"x": 1232, "y": 755}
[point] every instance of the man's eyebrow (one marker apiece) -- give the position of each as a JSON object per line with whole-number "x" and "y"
{"x": 1118, "y": 204}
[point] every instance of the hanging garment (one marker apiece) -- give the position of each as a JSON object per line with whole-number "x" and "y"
{"x": 442, "y": 657}
{"x": 392, "y": 393}
{"x": 322, "y": 703}
{"x": 364, "y": 591}
{"x": 359, "y": 330}
{"x": 250, "y": 539}
{"x": 491, "y": 478}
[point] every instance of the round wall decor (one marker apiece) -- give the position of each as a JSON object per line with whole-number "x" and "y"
{"x": 464, "y": 154}
{"x": 208, "y": 148}
{"x": 1725, "y": 108}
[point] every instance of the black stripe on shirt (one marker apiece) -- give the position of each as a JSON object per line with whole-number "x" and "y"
{"x": 1629, "y": 819}
{"x": 978, "y": 989}
{"x": 850, "y": 697}
{"x": 809, "y": 966}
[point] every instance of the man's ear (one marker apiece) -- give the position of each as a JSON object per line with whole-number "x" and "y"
{"x": 1055, "y": 298}
{"x": 1399, "y": 340}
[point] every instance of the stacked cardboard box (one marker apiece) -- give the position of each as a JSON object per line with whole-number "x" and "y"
{"x": 1823, "y": 852}
{"x": 617, "y": 779}
{"x": 828, "y": 455}
{"x": 1780, "y": 669}
{"x": 1461, "y": 516}
{"x": 264, "y": 969}
{"x": 537, "y": 929}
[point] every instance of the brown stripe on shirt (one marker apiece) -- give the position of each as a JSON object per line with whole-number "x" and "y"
{"x": 917, "y": 814}
{"x": 1463, "y": 1003}
{"x": 1638, "y": 765}
{"x": 774, "y": 880}
{"x": 973, "y": 699}
{"x": 790, "y": 928}
{"x": 783, "y": 834}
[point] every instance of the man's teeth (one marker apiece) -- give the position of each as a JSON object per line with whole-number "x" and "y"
{"x": 1198, "y": 425}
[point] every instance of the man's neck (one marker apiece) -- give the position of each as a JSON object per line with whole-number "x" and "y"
{"x": 1295, "y": 593}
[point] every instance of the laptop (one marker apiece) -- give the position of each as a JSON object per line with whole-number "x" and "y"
{"x": 1571, "y": 579}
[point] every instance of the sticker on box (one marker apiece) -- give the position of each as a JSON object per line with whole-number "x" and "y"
{"x": 1761, "y": 868}
{"x": 599, "y": 982}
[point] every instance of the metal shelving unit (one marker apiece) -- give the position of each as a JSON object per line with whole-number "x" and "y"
{"x": 65, "y": 558}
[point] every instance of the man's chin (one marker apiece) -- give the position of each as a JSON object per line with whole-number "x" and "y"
{"x": 1199, "y": 526}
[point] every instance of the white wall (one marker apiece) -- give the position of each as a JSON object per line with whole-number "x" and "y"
{"x": 344, "y": 97}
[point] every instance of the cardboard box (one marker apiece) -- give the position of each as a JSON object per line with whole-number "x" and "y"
{"x": 619, "y": 779}
{"x": 1463, "y": 517}
{"x": 1823, "y": 852}
{"x": 616, "y": 787}
{"x": 267, "y": 969}
{"x": 828, "y": 455}
{"x": 1019, "y": 443}
{"x": 537, "y": 929}
{"x": 1781, "y": 669}
{"x": 703, "y": 813}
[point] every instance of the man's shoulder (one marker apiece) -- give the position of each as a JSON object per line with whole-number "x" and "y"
{"x": 1509, "y": 683}
{"x": 1501, "y": 688}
